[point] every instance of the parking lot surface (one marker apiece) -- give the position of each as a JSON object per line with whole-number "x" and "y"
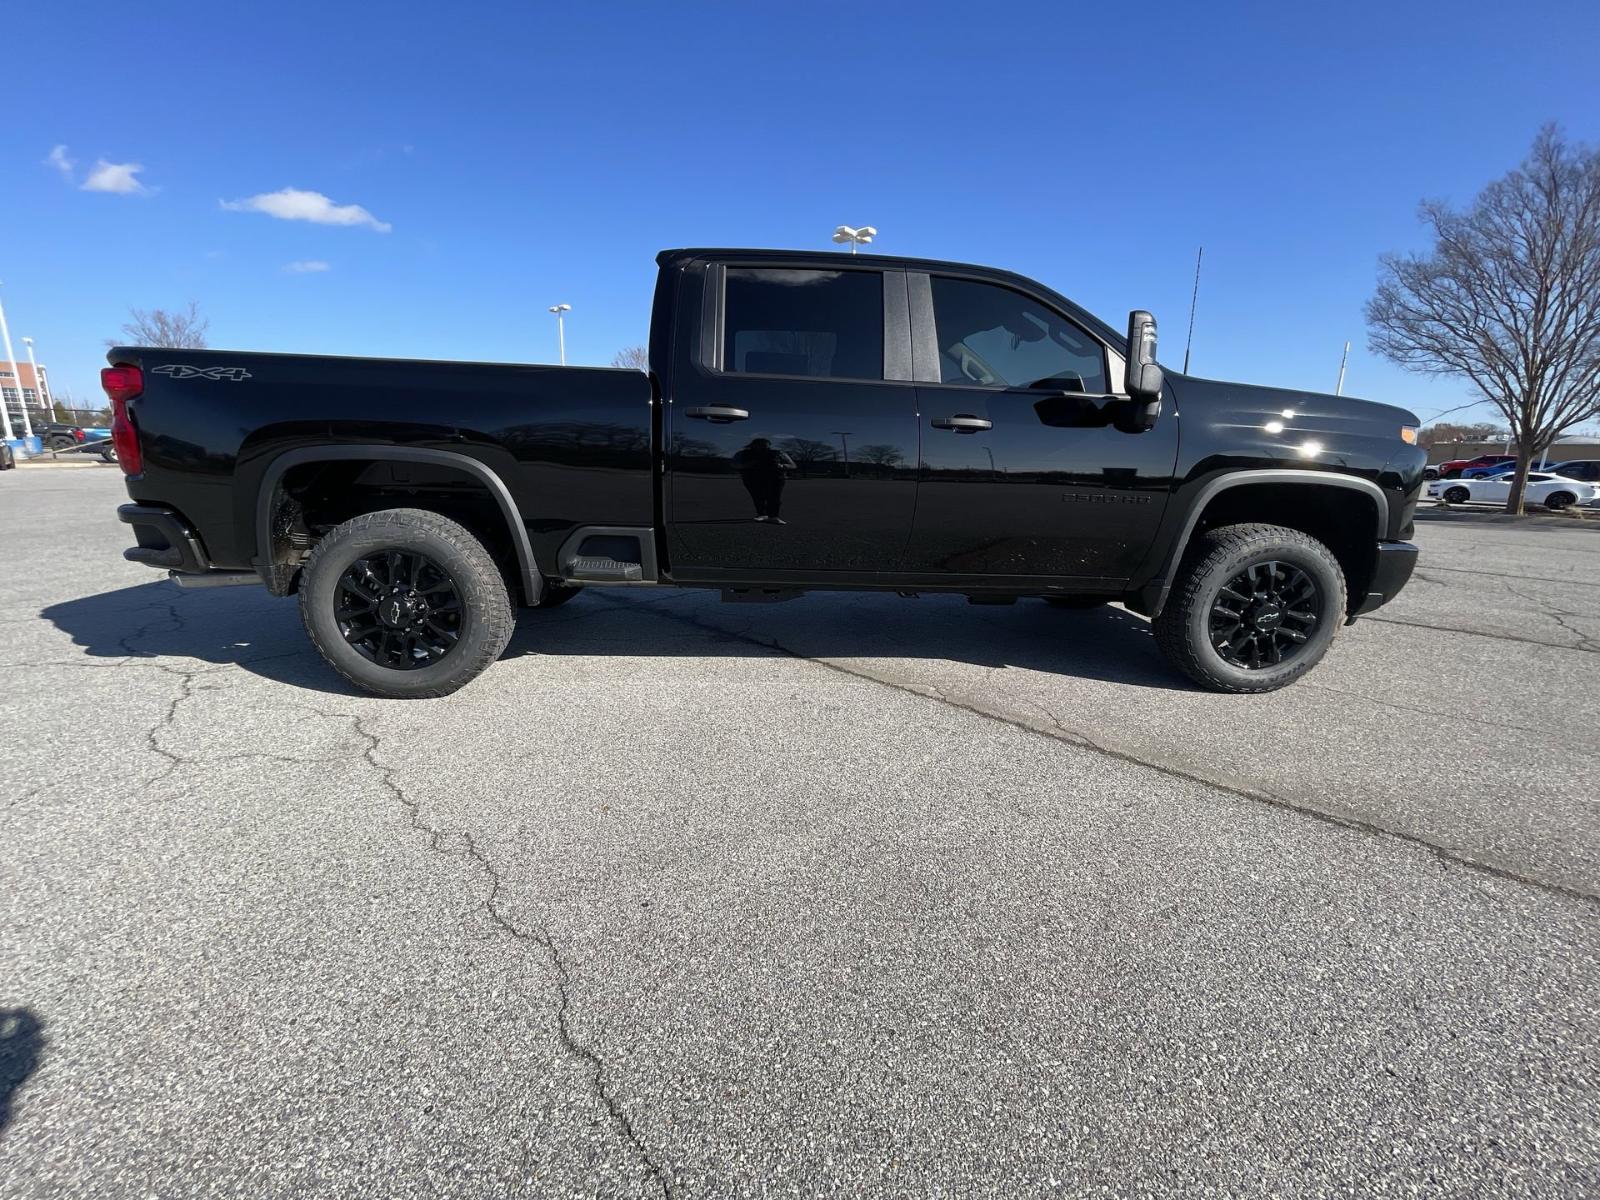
{"x": 851, "y": 895}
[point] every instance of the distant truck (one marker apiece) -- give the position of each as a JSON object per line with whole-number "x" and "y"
{"x": 808, "y": 422}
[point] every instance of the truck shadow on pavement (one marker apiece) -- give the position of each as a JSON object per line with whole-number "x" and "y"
{"x": 21, "y": 1048}
{"x": 244, "y": 627}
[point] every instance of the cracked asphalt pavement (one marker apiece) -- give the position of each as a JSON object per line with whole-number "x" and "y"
{"x": 851, "y": 895}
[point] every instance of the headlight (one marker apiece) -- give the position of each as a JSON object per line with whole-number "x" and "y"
{"x": 1408, "y": 434}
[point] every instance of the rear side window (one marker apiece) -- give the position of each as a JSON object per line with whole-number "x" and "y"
{"x": 819, "y": 324}
{"x": 991, "y": 336}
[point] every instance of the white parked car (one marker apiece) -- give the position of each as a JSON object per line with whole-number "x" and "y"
{"x": 1552, "y": 491}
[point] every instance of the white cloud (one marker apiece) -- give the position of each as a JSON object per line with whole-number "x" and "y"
{"x": 292, "y": 204}
{"x": 58, "y": 159}
{"x": 115, "y": 177}
{"x": 309, "y": 266}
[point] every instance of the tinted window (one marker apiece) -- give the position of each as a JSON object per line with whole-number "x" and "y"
{"x": 993, "y": 337}
{"x": 825, "y": 324}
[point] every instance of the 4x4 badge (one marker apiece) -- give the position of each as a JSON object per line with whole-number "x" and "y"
{"x": 181, "y": 372}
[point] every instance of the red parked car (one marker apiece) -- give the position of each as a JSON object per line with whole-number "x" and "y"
{"x": 1453, "y": 468}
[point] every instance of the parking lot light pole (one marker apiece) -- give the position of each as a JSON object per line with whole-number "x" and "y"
{"x": 16, "y": 373}
{"x": 855, "y": 237}
{"x": 561, "y": 310}
{"x": 38, "y": 383}
{"x": 844, "y": 441}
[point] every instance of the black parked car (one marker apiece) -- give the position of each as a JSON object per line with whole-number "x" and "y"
{"x": 57, "y": 435}
{"x": 808, "y": 421}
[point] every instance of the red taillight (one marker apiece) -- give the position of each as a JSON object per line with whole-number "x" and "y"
{"x": 123, "y": 384}
{"x": 78, "y": 434}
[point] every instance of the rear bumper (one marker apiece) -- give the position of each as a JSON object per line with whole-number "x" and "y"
{"x": 165, "y": 540}
{"x": 1390, "y": 571}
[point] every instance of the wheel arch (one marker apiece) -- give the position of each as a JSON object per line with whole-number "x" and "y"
{"x": 279, "y": 576}
{"x": 1250, "y": 495}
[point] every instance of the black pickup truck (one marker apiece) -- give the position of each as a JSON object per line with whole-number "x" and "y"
{"x": 809, "y": 421}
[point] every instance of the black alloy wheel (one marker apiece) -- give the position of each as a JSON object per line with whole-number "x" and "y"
{"x": 405, "y": 603}
{"x": 1457, "y": 495}
{"x": 1265, "y": 615}
{"x": 1556, "y": 501}
{"x": 1252, "y": 608}
{"x": 399, "y": 609}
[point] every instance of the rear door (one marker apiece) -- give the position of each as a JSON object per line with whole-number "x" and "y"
{"x": 792, "y": 431}
{"x": 1029, "y": 468}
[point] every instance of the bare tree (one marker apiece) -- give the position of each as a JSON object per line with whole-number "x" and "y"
{"x": 636, "y": 357}
{"x": 809, "y": 452}
{"x": 1509, "y": 299}
{"x": 184, "y": 330}
{"x": 881, "y": 454}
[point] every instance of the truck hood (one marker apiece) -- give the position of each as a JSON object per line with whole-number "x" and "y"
{"x": 1307, "y": 407}
{"x": 1286, "y": 424}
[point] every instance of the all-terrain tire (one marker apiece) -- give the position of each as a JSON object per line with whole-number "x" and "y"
{"x": 1183, "y": 628}
{"x": 487, "y": 619}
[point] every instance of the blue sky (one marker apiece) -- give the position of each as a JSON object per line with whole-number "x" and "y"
{"x": 521, "y": 155}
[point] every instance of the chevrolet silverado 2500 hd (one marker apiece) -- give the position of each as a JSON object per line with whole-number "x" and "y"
{"x": 807, "y": 422}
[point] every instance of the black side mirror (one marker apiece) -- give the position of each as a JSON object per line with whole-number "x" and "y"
{"x": 1144, "y": 376}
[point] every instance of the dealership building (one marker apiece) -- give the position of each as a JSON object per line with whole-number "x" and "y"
{"x": 35, "y": 393}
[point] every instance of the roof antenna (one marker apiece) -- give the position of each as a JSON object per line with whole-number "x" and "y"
{"x": 1193, "y": 299}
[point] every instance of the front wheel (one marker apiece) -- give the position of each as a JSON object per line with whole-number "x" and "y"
{"x": 405, "y": 603}
{"x": 1253, "y": 608}
{"x": 1457, "y": 495}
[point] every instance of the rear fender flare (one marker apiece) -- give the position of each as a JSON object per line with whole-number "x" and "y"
{"x": 266, "y": 498}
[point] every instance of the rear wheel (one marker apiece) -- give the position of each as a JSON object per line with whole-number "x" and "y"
{"x": 1556, "y": 501}
{"x": 1253, "y": 608}
{"x": 405, "y": 603}
{"x": 108, "y": 452}
{"x": 1457, "y": 495}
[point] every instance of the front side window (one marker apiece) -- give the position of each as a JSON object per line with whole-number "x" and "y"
{"x": 821, "y": 324}
{"x": 991, "y": 336}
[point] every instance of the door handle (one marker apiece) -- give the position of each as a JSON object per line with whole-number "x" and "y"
{"x": 962, "y": 423}
{"x": 720, "y": 414}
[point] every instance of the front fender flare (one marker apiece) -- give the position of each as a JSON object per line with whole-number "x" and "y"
{"x": 1151, "y": 597}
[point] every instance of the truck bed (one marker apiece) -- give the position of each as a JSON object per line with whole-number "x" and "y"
{"x": 572, "y": 444}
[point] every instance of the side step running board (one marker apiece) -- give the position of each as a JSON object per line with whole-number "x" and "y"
{"x": 604, "y": 570}
{"x": 608, "y": 554}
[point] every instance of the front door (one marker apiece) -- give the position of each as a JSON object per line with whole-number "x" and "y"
{"x": 791, "y": 451}
{"x": 1025, "y": 471}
